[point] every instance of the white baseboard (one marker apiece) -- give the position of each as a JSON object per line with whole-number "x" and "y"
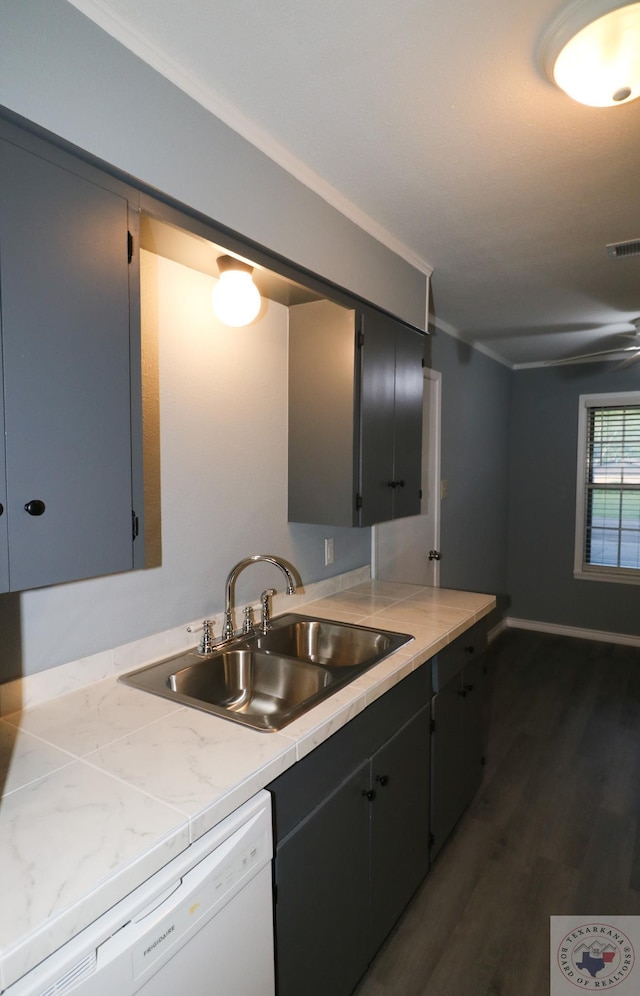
{"x": 497, "y": 630}
{"x": 582, "y": 634}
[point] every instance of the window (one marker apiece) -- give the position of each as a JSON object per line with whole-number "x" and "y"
{"x": 608, "y": 488}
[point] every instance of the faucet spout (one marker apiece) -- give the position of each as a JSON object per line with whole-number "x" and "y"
{"x": 227, "y": 629}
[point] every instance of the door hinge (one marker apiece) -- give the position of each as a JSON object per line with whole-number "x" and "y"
{"x": 135, "y": 525}
{"x": 358, "y": 502}
{"x": 129, "y": 247}
{"x": 360, "y": 339}
{"x": 420, "y": 494}
{"x": 483, "y": 761}
{"x": 431, "y": 839}
{"x": 433, "y": 726}
{"x": 422, "y": 361}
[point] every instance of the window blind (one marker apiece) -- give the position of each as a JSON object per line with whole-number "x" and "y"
{"x": 612, "y": 487}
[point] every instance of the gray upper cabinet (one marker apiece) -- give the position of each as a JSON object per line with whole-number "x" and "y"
{"x": 355, "y": 416}
{"x": 69, "y": 359}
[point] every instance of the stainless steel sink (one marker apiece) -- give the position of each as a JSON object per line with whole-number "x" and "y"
{"x": 267, "y": 680}
{"x": 333, "y": 644}
{"x": 251, "y": 684}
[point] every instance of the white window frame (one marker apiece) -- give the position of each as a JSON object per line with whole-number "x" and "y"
{"x": 596, "y": 572}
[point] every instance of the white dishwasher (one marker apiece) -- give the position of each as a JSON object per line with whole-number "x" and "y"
{"x": 202, "y": 925}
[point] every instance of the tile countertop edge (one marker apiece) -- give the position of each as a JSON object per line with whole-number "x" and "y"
{"x": 304, "y": 735}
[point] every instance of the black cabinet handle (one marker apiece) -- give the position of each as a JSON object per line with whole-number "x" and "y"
{"x": 400, "y": 484}
{"x": 396, "y": 484}
{"x": 382, "y": 780}
{"x": 369, "y": 794}
{"x": 35, "y": 507}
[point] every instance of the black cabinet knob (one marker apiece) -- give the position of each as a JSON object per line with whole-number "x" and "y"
{"x": 392, "y": 484}
{"x": 400, "y": 484}
{"x": 369, "y": 794}
{"x": 1, "y": 508}
{"x": 462, "y": 694}
{"x": 469, "y": 649}
{"x": 35, "y": 507}
{"x": 382, "y": 779}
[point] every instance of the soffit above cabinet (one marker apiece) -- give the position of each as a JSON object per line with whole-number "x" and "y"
{"x": 200, "y": 254}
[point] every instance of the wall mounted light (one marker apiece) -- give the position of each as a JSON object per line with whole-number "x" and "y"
{"x": 235, "y": 298}
{"x": 592, "y": 52}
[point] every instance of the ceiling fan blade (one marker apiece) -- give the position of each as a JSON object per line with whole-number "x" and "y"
{"x": 630, "y": 360}
{"x": 590, "y": 356}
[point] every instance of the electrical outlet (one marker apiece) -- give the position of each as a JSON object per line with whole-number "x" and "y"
{"x": 328, "y": 552}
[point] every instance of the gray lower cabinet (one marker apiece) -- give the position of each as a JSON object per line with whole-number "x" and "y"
{"x": 351, "y": 829}
{"x": 70, "y": 371}
{"x": 457, "y": 740}
{"x": 355, "y": 415}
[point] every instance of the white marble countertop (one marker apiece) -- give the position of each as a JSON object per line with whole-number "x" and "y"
{"x": 104, "y": 785}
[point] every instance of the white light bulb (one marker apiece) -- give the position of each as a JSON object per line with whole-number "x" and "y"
{"x": 235, "y": 298}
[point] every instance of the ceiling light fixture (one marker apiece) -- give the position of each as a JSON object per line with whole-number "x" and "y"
{"x": 235, "y": 299}
{"x": 592, "y": 52}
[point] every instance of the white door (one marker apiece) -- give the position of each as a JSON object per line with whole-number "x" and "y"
{"x": 401, "y": 549}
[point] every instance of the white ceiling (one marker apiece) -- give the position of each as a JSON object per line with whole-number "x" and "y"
{"x": 432, "y": 125}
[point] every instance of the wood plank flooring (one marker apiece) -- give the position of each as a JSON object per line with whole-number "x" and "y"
{"x": 554, "y": 828}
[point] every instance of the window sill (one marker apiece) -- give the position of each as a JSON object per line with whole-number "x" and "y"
{"x": 617, "y": 575}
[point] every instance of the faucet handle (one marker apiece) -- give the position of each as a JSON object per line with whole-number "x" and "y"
{"x": 247, "y": 625}
{"x": 206, "y": 643}
{"x": 264, "y": 600}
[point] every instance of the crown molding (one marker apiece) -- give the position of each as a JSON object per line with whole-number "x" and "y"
{"x": 451, "y": 330}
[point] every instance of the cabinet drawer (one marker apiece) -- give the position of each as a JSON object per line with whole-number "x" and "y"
{"x": 450, "y": 661}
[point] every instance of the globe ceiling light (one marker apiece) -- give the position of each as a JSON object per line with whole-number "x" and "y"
{"x": 235, "y": 299}
{"x": 592, "y": 52}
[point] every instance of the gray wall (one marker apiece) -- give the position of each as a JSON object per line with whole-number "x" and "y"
{"x": 474, "y": 442}
{"x": 60, "y": 71}
{"x": 542, "y": 496}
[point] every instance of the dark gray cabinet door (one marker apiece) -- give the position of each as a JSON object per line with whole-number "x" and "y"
{"x": 457, "y": 749}
{"x": 407, "y": 440}
{"x": 64, "y": 287}
{"x": 321, "y": 912}
{"x": 377, "y": 402}
{"x": 391, "y": 388}
{"x": 446, "y": 779}
{"x": 472, "y": 732}
{"x": 399, "y": 824}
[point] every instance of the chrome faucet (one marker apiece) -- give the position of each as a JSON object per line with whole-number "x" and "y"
{"x": 227, "y": 628}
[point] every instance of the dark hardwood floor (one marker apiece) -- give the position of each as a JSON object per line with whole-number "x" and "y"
{"x": 554, "y": 828}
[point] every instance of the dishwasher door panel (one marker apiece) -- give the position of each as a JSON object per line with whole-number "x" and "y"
{"x": 225, "y": 957}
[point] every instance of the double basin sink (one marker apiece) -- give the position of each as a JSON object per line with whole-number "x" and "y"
{"x": 265, "y": 680}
